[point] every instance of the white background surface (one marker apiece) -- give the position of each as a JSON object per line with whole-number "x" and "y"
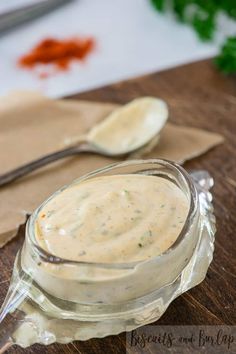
{"x": 132, "y": 39}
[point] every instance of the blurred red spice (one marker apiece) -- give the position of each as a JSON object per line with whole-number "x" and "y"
{"x": 60, "y": 53}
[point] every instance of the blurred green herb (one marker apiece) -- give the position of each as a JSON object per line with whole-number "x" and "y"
{"x": 226, "y": 61}
{"x": 202, "y": 16}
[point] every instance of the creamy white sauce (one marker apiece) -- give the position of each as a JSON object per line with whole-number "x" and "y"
{"x": 120, "y": 218}
{"x": 131, "y": 126}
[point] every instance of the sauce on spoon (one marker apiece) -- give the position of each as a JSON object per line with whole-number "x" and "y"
{"x": 130, "y": 127}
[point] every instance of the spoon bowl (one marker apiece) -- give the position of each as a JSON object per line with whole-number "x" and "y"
{"x": 130, "y": 127}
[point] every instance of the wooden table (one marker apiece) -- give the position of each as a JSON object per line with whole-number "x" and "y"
{"x": 198, "y": 96}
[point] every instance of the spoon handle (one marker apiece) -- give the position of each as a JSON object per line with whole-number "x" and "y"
{"x": 24, "y": 170}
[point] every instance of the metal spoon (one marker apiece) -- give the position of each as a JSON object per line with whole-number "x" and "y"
{"x": 9, "y": 20}
{"x": 125, "y": 130}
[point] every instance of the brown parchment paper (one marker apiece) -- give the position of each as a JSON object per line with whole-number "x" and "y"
{"x": 32, "y": 125}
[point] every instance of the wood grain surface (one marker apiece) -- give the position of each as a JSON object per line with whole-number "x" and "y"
{"x": 198, "y": 96}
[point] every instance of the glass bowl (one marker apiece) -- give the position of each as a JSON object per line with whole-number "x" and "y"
{"x": 55, "y": 300}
